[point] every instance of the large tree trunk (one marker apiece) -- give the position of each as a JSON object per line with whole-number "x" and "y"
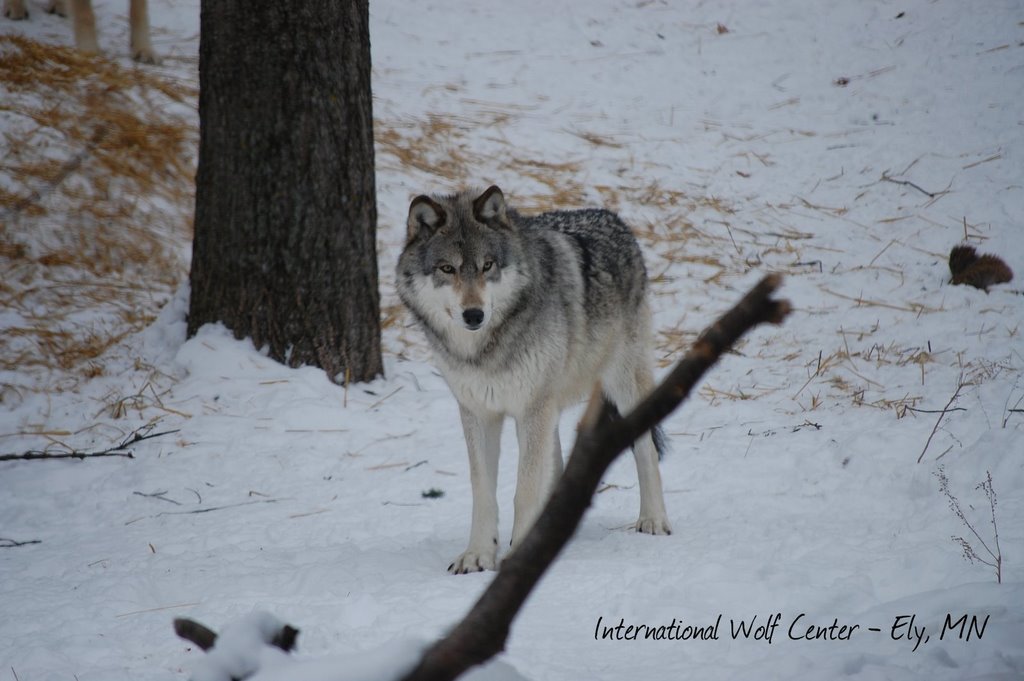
{"x": 285, "y": 225}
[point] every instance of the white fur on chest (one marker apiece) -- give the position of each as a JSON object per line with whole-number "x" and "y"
{"x": 506, "y": 392}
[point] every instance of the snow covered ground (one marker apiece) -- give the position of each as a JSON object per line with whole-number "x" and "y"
{"x": 849, "y": 145}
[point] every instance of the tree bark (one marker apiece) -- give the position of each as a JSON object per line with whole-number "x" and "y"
{"x": 285, "y": 227}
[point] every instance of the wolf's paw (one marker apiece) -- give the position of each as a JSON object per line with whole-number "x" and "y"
{"x": 473, "y": 561}
{"x": 145, "y": 55}
{"x": 653, "y": 525}
{"x": 58, "y": 7}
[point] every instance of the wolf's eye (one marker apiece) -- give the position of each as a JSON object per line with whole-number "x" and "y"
{"x": 488, "y": 264}
{"x": 447, "y": 269}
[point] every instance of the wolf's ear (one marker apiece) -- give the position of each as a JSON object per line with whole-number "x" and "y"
{"x": 424, "y": 213}
{"x": 490, "y": 205}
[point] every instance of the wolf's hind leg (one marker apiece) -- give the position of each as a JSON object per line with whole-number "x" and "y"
{"x": 483, "y": 440}
{"x": 625, "y": 383}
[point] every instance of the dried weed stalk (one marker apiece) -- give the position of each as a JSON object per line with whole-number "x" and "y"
{"x": 995, "y": 557}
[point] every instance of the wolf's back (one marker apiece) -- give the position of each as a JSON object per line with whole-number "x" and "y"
{"x": 607, "y": 254}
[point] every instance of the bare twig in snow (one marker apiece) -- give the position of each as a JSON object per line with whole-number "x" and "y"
{"x": 934, "y": 411}
{"x": 908, "y": 183}
{"x": 11, "y": 543}
{"x": 161, "y": 495}
{"x": 156, "y": 609}
{"x": 117, "y": 450}
{"x": 208, "y": 509}
{"x": 942, "y": 415}
{"x": 381, "y": 400}
{"x": 1007, "y": 409}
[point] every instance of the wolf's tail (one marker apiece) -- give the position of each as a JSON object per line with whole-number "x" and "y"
{"x": 660, "y": 441}
{"x": 657, "y": 433}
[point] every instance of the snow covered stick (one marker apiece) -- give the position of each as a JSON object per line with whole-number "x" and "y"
{"x": 482, "y": 633}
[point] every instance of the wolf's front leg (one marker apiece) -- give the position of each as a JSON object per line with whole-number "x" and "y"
{"x": 141, "y": 47}
{"x": 83, "y": 19}
{"x": 540, "y": 465}
{"x": 483, "y": 440}
{"x": 15, "y": 9}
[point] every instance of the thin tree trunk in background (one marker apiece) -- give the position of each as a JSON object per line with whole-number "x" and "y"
{"x": 285, "y": 227}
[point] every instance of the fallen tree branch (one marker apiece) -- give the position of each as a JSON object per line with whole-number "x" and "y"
{"x": 117, "y": 450}
{"x": 33, "y": 454}
{"x": 208, "y": 509}
{"x": 484, "y": 630}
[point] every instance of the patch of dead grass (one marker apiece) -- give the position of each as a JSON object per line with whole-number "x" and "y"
{"x": 96, "y": 194}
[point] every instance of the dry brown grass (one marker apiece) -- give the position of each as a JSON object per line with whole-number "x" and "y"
{"x": 96, "y": 187}
{"x": 598, "y": 140}
{"x": 436, "y": 146}
{"x": 114, "y": 118}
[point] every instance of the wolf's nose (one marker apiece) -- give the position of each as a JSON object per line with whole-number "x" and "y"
{"x": 473, "y": 317}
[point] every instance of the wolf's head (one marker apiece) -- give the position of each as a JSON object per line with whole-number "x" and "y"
{"x": 457, "y": 272}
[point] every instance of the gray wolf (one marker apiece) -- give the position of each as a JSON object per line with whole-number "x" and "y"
{"x": 84, "y": 21}
{"x": 525, "y": 315}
